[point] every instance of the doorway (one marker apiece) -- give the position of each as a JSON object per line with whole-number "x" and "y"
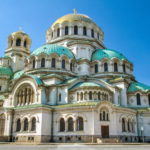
{"x": 105, "y": 131}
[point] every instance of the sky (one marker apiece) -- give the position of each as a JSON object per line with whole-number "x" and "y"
{"x": 125, "y": 23}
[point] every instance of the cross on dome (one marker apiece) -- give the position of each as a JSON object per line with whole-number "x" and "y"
{"x": 74, "y": 11}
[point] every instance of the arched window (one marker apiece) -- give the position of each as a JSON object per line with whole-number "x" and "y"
{"x": 115, "y": 67}
{"x": 77, "y": 96}
{"x": 123, "y": 125}
{"x": 105, "y": 67}
{"x": 66, "y": 30}
{"x": 98, "y": 36}
{"x": 80, "y": 124}
{"x": 104, "y": 116}
{"x": 53, "y": 63}
{"x": 100, "y": 117}
{"x": 138, "y": 98}
{"x": 2, "y": 124}
{"x": 26, "y": 125}
{"x": 75, "y": 30}
{"x": 70, "y": 124}
{"x": 129, "y": 126}
{"x": 81, "y": 96}
{"x": 96, "y": 68}
{"x": 33, "y": 64}
{"x": 71, "y": 66}
{"x": 63, "y": 64}
{"x": 92, "y": 33}
{"x": 18, "y": 42}
{"x": 62, "y": 125}
{"x": 33, "y": 124}
{"x": 149, "y": 99}
{"x": 43, "y": 62}
{"x": 18, "y": 125}
{"x": 99, "y": 96}
{"x": 84, "y": 31}
{"x": 25, "y": 43}
{"x": 124, "y": 68}
{"x": 59, "y": 97}
{"x": 58, "y": 32}
{"x": 90, "y": 95}
{"x": 52, "y": 35}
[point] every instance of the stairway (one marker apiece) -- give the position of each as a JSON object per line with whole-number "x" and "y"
{"x": 107, "y": 140}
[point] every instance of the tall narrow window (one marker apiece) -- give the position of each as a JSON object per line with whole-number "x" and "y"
{"x": 71, "y": 66}
{"x": 26, "y": 124}
{"x": 81, "y": 96}
{"x": 18, "y": 42}
{"x": 18, "y": 125}
{"x": 84, "y": 31}
{"x": 43, "y": 62}
{"x": 52, "y": 35}
{"x": 2, "y": 124}
{"x": 124, "y": 68}
{"x": 58, "y": 32}
{"x": 90, "y": 95}
{"x": 66, "y": 30}
{"x": 25, "y": 43}
{"x": 96, "y": 68}
{"x": 63, "y": 65}
{"x": 0, "y": 88}
{"x": 53, "y": 63}
{"x": 99, "y": 96}
{"x": 92, "y": 33}
{"x": 62, "y": 125}
{"x": 105, "y": 67}
{"x": 138, "y": 98}
{"x": 59, "y": 97}
{"x": 123, "y": 125}
{"x": 149, "y": 99}
{"x": 33, "y": 64}
{"x": 98, "y": 36}
{"x": 115, "y": 67}
{"x": 33, "y": 124}
{"x": 70, "y": 124}
{"x": 75, "y": 30}
{"x": 80, "y": 124}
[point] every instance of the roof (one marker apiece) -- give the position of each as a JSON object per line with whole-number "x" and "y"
{"x": 137, "y": 86}
{"x": 73, "y": 17}
{"x": 5, "y": 71}
{"x": 100, "y": 54}
{"x": 86, "y": 84}
{"x": 2, "y": 97}
{"x": 53, "y": 48}
{"x": 18, "y": 74}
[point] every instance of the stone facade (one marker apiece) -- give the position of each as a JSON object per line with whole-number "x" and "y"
{"x": 72, "y": 89}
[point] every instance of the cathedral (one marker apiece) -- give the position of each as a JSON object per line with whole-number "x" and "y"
{"x": 71, "y": 89}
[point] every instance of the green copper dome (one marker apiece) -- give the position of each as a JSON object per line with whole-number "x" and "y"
{"x": 100, "y": 54}
{"x": 53, "y": 48}
{"x": 86, "y": 84}
{"x": 137, "y": 86}
{"x": 5, "y": 71}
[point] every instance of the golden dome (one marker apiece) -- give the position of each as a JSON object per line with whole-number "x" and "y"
{"x": 73, "y": 17}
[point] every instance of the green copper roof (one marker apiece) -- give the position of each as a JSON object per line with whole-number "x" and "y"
{"x": 5, "y": 71}
{"x": 86, "y": 84}
{"x": 99, "y": 54}
{"x": 136, "y": 86}
{"x": 18, "y": 74}
{"x": 53, "y": 48}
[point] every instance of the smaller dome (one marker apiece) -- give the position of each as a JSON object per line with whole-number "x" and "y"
{"x": 19, "y": 33}
{"x": 86, "y": 84}
{"x": 100, "y": 54}
{"x": 53, "y": 48}
{"x": 5, "y": 71}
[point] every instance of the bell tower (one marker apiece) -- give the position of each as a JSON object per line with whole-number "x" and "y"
{"x": 18, "y": 49}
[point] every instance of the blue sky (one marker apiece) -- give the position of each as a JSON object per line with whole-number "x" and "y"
{"x": 126, "y": 24}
